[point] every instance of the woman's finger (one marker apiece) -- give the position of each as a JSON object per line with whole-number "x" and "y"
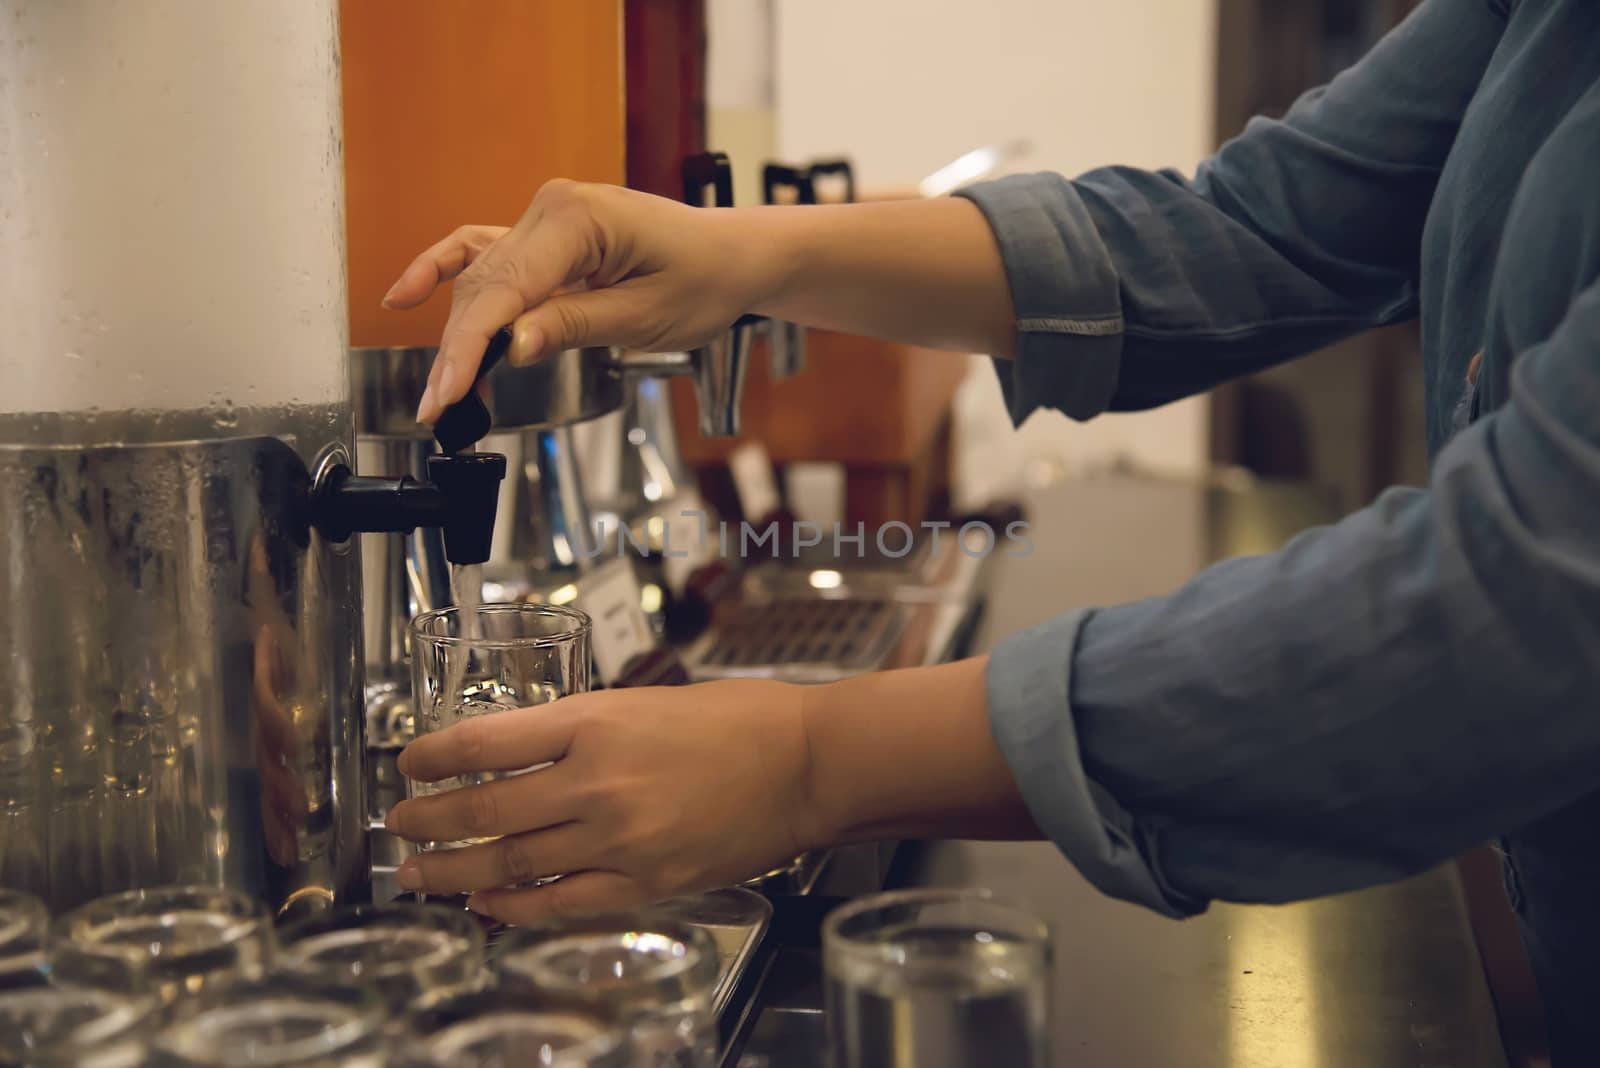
{"x": 572, "y": 895}
{"x": 500, "y": 741}
{"x": 474, "y": 318}
{"x": 615, "y": 316}
{"x": 529, "y": 802}
{"x": 539, "y": 256}
{"x": 440, "y": 263}
{"x": 511, "y": 861}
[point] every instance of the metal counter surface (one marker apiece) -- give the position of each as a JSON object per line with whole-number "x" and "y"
{"x": 1383, "y": 978}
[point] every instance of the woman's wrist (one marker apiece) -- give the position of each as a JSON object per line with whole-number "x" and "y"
{"x": 768, "y": 246}
{"x": 924, "y": 272}
{"x": 907, "y": 754}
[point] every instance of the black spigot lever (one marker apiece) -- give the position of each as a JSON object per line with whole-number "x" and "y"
{"x": 468, "y": 421}
{"x": 461, "y": 496}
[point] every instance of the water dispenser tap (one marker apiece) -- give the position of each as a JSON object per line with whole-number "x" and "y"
{"x": 461, "y": 495}
{"x": 718, "y": 366}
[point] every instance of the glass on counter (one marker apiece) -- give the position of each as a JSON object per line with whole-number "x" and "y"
{"x": 473, "y": 661}
{"x": 649, "y": 973}
{"x": 413, "y": 957}
{"x": 510, "y": 1039}
{"x": 936, "y": 978}
{"x": 280, "y": 1020}
{"x": 166, "y": 943}
{"x": 58, "y": 1027}
{"x": 24, "y": 933}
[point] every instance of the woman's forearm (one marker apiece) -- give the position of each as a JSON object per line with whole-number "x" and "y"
{"x": 908, "y": 754}
{"x": 923, "y": 272}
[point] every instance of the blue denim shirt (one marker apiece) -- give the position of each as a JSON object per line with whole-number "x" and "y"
{"x": 1386, "y": 692}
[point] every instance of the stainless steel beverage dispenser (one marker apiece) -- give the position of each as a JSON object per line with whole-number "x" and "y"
{"x": 180, "y": 669}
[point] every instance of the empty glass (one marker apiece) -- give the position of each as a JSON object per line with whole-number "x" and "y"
{"x": 54, "y": 1027}
{"x": 514, "y": 1039}
{"x": 283, "y": 1020}
{"x": 414, "y": 957}
{"x": 648, "y": 973}
{"x": 472, "y": 661}
{"x": 165, "y": 942}
{"x": 936, "y": 978}
{"x": 24, "y": 931}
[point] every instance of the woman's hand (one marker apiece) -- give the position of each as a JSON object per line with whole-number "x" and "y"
{"x": 652, "y": 793}
{"x": 585, "y": 265}
{"x": 599, "y": 265}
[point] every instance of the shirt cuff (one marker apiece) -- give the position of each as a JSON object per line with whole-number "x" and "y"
{"x": 1028, "y": 684}
{"x": 1065, "y": 291}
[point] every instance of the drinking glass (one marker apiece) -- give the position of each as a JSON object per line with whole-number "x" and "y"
{"x": 936, "y": 978}
{"x": 472, "y": 661}
{"x": 166, "y": 942}
{"x": 413, "y": 957}
{"x": 24, "y": 931}
{"x": 513, "y": 1039}
{"x": 645, "y": 972}
{"x": 281, "y": 1020}
{"x": 58, "y": 1027}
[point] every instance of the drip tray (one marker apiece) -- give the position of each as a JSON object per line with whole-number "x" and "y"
{"x": 801, "y": 639}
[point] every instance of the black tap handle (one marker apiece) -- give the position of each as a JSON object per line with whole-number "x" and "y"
{"x": 835, "y": 167}
{"x": 467, "y": 421}
{"x": 461, "y": 497}
{"x": 776, "y": 176}
{"x": 708, "y": 169}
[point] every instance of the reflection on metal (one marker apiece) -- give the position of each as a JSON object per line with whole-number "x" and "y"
{"x": 401, "y": 574}
{"x": 178, "y": 698}
{"x": 1274, "y": 999}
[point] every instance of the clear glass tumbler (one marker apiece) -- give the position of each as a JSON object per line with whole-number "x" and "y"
{"x": 166, "y": 943}
{"x": 24, "y": 933}
{"x": 514, "y": 1039}
{"x": 413, "y": 957}
{"x": 648, "y": 973}
{"x": 936, "y": 978}
{"x": 468, "y": 662}
{"x": 58, "y": 1027}
{"x": 281, "y": 1020}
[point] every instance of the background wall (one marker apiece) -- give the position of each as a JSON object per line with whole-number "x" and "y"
{"x": 904, "y": 86}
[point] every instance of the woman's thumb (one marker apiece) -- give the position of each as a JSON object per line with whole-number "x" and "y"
{"x": 570, "y": 321}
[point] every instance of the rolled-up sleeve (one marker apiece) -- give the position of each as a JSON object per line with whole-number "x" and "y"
{"x": 1372, "y": 699}
{"x": 1134, "y": 288}
{"x": 1029, "y": 681}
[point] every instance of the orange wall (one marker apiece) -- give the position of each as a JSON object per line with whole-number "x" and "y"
{"x": 455, "y": 112}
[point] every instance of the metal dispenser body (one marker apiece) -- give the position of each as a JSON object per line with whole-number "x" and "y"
{"x": 180, "y": 665}
{"x": 181, "y": 675}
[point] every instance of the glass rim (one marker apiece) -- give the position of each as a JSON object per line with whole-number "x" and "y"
{"x": 83, "y": 927}
{"x": 21, "y": 912}
{"x": 604, "y": 1041}
{"x": 209, "y": 1028}
{"x": 579, "y": 625}
{"x": 1029, "y": 927}
{"x": 117, "y": 1012}
{"x": 299, "y": 942}
{"x": 521, "y": 941}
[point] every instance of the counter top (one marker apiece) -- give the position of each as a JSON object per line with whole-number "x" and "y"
{"x": 1382, "y": 978}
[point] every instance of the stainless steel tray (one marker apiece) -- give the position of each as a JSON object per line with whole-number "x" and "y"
{"x": 736, "y": 919}
{"x": 798, "y": 639}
